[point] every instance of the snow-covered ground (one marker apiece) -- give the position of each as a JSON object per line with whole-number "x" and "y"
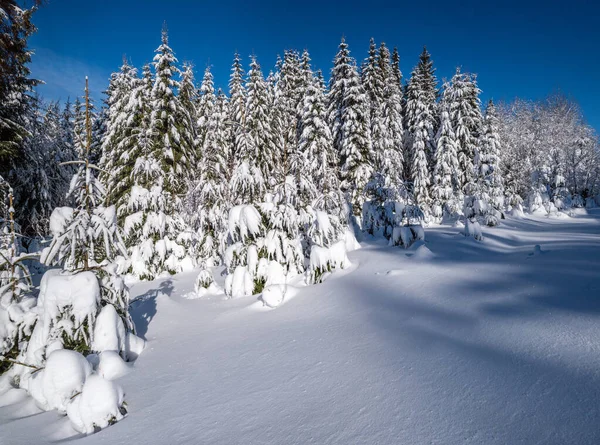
{"x": 451, "y": 342}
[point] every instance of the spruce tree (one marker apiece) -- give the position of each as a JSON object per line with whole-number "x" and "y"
{"x": 446, "y": 192}
{"x": 86, "y": 238}
{"x": 420, "y": 127}
{"x": 348, "y": 112}
{"x": 261, "y": 139}
{"x": 488, "y": 166}
{"x": 16, "y": 318}
{"x": 15, "y": 82}
{"x": 117, "y": 144}
{"x": 158, "y": 238}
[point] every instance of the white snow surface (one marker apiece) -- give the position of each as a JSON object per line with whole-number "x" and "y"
{"x": 482, "y": 343}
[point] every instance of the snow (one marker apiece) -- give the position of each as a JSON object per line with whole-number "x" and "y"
{"x": 63, "y": 377}
{"x": 482, "y": 343}
{"x": 98, "y": 405}
{"x": 61, "y": 293}
{"x": 109, "y": 332}
{"x": 272, "y": 296}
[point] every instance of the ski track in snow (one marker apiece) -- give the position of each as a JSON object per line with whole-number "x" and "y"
{"x": 458, "y": 342}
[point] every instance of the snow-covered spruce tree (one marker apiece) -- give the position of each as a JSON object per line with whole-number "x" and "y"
{"x": 420, "y": 109}
{"x": 372, "y": 78}
{"x": 209, "y": 200}
{"x": 16, "y": 317}
{"x": 348, "y": 115}
{"x": 158, "y": 238}
{"x": 15, "y": 82}
{"x": 420, "y": 128}
{"x": 247, "y": 181}
{"x": 324, "y": 214}
{"x": 465, "y": 112}
{"x": 261, "y": 138}
{"x": 30, "y": 175}
{"x": 79, "y": 131}
{"x": 446, "y": 194}
{"x": 289, "y": 90}
{"x": 205, "y": 110}
{"x": 488, "y": 169}
{"x": 86, "y": 238}
{"x": 386, "y": 186}
{"x": 122, "y": 121}
{"x": 396, "y": 73}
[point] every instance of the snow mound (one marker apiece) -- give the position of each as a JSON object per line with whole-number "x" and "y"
{"x": 61, "y": 379}
{"x": 272, "y": 296}
{"x": 350, "y": 241}
{"x": 109, "y": 332}
{"x": 205, "y": 285}
{"x": 537, "y": 250}
{"x": 422, "y": 253}
{"x": 99, "y": 405}
{"x": 240, "y": 283}
{"x": 473, "y": 229}
{"x": 111, "y": 366}
{"x": 134, "y": 346}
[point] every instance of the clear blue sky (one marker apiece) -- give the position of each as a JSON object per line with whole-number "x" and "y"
{"x": 518, "y": 48}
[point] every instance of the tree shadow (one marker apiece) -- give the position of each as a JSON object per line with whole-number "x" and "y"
{"x": 143, "y": 308}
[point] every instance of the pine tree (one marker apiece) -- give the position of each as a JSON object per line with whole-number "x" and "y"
{"x": 446, "y": 193}
{"x": 188, "y": 113}
{"x": 158, "y": 238}
{"x": 420, "y": 126}
{"x": 170, "y": 141}
{"x": 316, "y": 162}
{"x": 392, "y": 166}
{"x": 261, "y": 139}
{"x": 465, "y": 113}
{"x": 487, "y": 163}
{"x": 16, "y": 318}
{"x": 421, "y": 93}
{"x": 206, "y": 105}
{"x": 15, "y": 84}
{"x": 396, "y": 73}
{"x": 348, "y": 114}
{"x": 86, "y": 238}
{"x": 118, "y": 142}
{"x": 209, "y": 199}
{"x": 288, "y": 95}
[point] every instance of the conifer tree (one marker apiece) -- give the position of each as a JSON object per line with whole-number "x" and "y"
{"x": 261, "y": 139}
{"x": 446, "y": 192}
{"x": 348, "y": 114}
{"x": 288, "y": 95}
{"x": 465, "y": 113}
{"x": 206, "y": 105}
{"x": 421, "y": 93}
{"x": 487, "y": 163}
{"x": 396, "y": 73}
{"x": 420, "y": 127}
{"x": 86, "y": 238}
{"x": 188, "y": 113}
{"x": 15, "y": 82}
{"x": 157, "y": 236}
{"x": 117, "y": 144}
{"x": 16, "y": 317}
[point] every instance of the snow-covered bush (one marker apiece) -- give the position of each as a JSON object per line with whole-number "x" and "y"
{"x": 408, "y": 226}
{"x": 99, "y": 404}
{"x": 324, "y": 260}
{"x": 205, "y": 284}
{"x": 259, "y": 239}
{"x": 61, "y": 379}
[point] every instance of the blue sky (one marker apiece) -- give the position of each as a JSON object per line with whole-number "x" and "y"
{"x": 518, "y": 48}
